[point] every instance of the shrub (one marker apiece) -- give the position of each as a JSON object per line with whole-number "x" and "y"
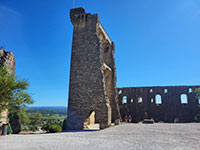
{"x": 176, "y": 120}
{"x": 32, "y": 127}
{"x": 197, "y": 117}
{"x": 46, "y": 127}
{"x": 52, "y": 128}
{"x": 64, "y": 124}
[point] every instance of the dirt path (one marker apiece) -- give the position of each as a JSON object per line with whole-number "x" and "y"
{"x": 125, "y": 136}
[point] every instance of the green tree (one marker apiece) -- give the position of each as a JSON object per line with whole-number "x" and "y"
{"x": 64, "y": 124}
{"x": 19, "y": 120}
{"x": 35, "y": 118}
{"x": 14, "y": 98}
{"x": 13, "y": 92}
{"x": 197, "y": 91}
{"x": 52, "y": 128}
{"x": 23, "y": 117}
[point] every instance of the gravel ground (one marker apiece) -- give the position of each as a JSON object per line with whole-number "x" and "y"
{"x": 124, "y": 136}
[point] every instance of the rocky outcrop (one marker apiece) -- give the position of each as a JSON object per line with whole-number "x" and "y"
{"x": 7, "y": 60}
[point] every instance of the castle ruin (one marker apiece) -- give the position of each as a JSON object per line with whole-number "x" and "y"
{"x": 161, "y": 103}
{"x": 93, "y": 96}
{"x": 93, "y": 73}
{"x": 7, "y": 60}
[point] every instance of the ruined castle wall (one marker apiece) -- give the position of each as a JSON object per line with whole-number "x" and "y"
{"x": 108, "y": 49}
{"x": 169, "y": 107}
{"x": 7, "y": 60}
{"x": 87, "y": 91}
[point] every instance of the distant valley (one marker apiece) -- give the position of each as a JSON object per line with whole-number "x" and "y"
{"x": 48, "y": 109}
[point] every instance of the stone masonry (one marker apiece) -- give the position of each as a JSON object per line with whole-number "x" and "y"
{"x": 7, "y": 60}
{"x": 162, "y": 103}
{"x": 93, "y": 73}
{"x": 92, "y": 93}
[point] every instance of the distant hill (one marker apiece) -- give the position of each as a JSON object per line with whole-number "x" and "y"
{"x": 48, "y": 109}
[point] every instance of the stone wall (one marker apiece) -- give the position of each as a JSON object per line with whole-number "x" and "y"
{"x": 166, "y": 103}
{"x": 3, "y": 119}
{"x": 93, "y": 73}
{"x": 7, "y": 60}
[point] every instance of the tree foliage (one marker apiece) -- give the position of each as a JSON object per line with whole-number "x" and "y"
{"x": 35, "y": 118}
{"x": 13, "y": 92}
{"x": 197, "y": 91}
{"x": 52, "y": 128}
{"x": 197, "y": 117}
{"x": 64, "y": 125}
{"x": 23, "y": 117}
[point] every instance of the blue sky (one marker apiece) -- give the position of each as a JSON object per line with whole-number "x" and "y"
{"x": 157, "y": 42}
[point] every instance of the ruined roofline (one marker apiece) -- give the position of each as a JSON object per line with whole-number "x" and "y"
{"x": 81, "y": 11}
{"x": 104, "y": 32}
{"x": 2, "y": 50}
{"x": 198, "y": 86}
{"x": 77, "y": 11}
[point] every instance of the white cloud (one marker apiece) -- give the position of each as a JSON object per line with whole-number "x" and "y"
{"x": 10, "y": 24}
{"x": 8, "y": 16}
{"x": 4, "y": 9}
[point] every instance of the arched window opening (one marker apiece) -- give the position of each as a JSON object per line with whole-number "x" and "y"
{"x": 151, "y": 90}
{"x": 120, "y": 91}
{"x": 124, "y": 101}
{"x": 184, "y": 99}
{"x": 199, "y": 101}
{"x": 158, "y": 99}
{"x": 132, "y": 100}
{"x": 152, "y": 100}
{"x": 165, "y": 91}
{"x": 139, "y": 99}
{"x": 190, "y": 90}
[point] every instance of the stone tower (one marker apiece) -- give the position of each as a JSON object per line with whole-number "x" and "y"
{"x": 93, "y": 73}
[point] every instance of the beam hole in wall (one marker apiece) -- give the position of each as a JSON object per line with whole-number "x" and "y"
{"x": 158, "y": 99}
{"x": 151, "y": 100}
{"x": 106, "y": 49}
{"x": 190, "y": 90}
{"x": 132, "y": 100}
{"x": 124, "y": 100}
{"x": 165, "y": 91}
{"x": 139, "y": 99}
{"x": 184, "y": 99}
